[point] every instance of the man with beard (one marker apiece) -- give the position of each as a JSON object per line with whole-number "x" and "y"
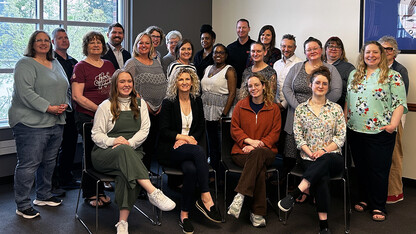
{"x": 115, "y": 52}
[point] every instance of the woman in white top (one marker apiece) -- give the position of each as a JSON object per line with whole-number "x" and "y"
{"x": 121, "y": 125}
{"x": 218, "y": 94}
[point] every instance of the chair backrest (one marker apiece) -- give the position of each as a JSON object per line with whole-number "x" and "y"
{"x": 227, "y": 141}
{"x": 88, "y": 144}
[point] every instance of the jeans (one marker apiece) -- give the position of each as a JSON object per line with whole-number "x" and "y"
{"x": 37, "y": 149}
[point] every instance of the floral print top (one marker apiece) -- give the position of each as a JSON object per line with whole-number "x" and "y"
{"x": 371, "y": 104}
{"x": 318, "y": 130}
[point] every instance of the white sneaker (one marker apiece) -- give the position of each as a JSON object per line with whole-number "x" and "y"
{"x": 161, "y": 201}
{"x": 257, "y": 220}
{"x": 122, "y": 227}
{"x": 235, "y": 208}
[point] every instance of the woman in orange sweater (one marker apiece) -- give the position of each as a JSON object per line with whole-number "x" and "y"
{"x": 255, "y": 128}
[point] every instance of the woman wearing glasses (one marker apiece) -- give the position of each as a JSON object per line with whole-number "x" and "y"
{"x": 297, "y": 90}
{"x": 218, "y": 93}
{"x": 395, "y": 191}
{"x": 37, "y": 118}
{"x": 335, "y": 55}
{"x": 157, "y": 36}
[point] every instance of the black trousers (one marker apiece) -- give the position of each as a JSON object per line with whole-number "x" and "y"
{"x": 191, "y": 159}
{"x": 214, "y": 143}
{"x": 66, "y": 153}
{"x": 372, "y": 154}
{"x": 318, "y": 173}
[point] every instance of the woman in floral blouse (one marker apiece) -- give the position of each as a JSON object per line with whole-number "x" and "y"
{"x": 319, "y": 129}
{"x": 375, "y": 102}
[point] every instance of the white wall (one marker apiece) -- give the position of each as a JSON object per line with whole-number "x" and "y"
{"x": 321, "y": 19}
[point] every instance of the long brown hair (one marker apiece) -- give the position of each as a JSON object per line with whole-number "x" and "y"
{"x": 362, "y": 66}
{"x": 114, "y": 94}
{"x": 30, "y": 51}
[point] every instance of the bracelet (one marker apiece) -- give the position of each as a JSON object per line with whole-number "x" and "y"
{"x": 324, "y": 150}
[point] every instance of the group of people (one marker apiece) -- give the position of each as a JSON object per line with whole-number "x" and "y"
{"x": 144, "y": 106}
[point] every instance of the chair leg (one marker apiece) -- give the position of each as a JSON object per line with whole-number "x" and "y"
{"x": 96, "y": 206}
{"x": 216, "y": 188}
{"x": 225, "y": 195}
{"x": 148, "y": 217}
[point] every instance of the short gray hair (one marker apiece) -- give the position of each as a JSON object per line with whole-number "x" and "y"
{"x": 172, "y": 35}
{"x": 392, "y": 41}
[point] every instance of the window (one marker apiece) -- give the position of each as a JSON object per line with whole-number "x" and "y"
{"x": 19, "y": 18}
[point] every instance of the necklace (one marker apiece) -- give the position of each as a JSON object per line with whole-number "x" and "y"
{"x": 187, "y": 121}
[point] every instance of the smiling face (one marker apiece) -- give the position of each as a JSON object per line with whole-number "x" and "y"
{"x": 389, "y": 49}
{"x": 333, "y": 51}
{"x": 116, "y": 36}
{"x": 313, "y": 51}
{"x": 257, "y": 52}
{"x": 207, "y": 41}
{"x": 61, "y": 41}
{"x": 319, "y": 85}
{"x": 155, "y": 38}
{"x": 184, "y": 82}
{"x": 42, "y": 44}
{"x": 219, "y": 55}
{"x": 124, "y": 85}
{"x": 372, "y": 56}
{"x": 172, "y": 44}
{"x": 288, "y": 48}
{"x": 242, "y": 29}
{"x": 185, "y": 52}
{"x": 255, "y": 88}
{"x": 95, "y": 47}
{"x": 144, "y": 45}
{"x": 266, "y": 37}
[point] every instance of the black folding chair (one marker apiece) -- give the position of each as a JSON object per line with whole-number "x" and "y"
{"x": 226, "y": 144}
{"x": 88, "y": 170}
{"x": 298, "y": 171}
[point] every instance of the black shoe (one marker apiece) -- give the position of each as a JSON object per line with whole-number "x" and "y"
{"x": 286, "y": 203}
{"x": 29, "y": 213}
{"x": 212, "y": 215}
{"x": 325, "y": 231}
{"x": 52, "y": 201}
{"x": 186, "y": 226}
{"x": 71, "y": 185}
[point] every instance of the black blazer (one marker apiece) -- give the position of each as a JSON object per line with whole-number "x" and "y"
{"x": 112, "y": 58}
{"x": 170, "y": 124}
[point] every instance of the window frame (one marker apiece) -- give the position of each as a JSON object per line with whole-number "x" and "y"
{"x": 40, "y": 22}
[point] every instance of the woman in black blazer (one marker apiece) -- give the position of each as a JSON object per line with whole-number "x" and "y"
{"x": 181, "y": 130}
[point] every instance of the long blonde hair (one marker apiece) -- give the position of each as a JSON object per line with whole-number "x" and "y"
{"x": 362, "y": 66}
{"x": 114, "y": 94}
{"x": 268, "y": 96}
{"x": 172, "y": 90}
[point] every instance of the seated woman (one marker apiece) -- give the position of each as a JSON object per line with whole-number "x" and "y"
{"x": 321, "y": 155}
{"x": 181, "y": 130}
{"x": 121, "y": 125}
{"x": 255, "y": 128}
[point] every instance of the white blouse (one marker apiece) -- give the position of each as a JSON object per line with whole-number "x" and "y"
{"x": 103, "y": 124}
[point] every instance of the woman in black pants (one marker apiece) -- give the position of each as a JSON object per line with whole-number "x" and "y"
{"x": 181, "y": 130}
{"x": 319, "y": 129}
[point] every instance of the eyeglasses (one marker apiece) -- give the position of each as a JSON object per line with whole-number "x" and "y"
{"x": 41, "y": 40}
{"x": 154, "y": 36}
{"x": 219, "y": 52}
{"x": 312, "y": 49}
{"x": 388, "y": 49}
{"x": 333, "y": 47}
